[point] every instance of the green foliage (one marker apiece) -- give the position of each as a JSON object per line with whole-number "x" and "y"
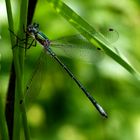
{"x": 90, "y": 33}
{"x": 60, "y": 111}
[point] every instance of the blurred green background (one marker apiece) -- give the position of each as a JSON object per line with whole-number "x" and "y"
{"x": 60, "y": 111}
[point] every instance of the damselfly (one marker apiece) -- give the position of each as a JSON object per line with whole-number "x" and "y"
{"x": 42, "y": 39}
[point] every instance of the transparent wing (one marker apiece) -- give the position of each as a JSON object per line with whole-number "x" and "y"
{"x": 34, "y": 84}
{"x": 73, "y": 41}
{"x": 72, "y": 45}
{"x": 110, "y": 34}
{"x": 76, "y": 46}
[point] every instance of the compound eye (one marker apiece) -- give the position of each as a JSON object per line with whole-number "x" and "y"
{"x": 36, "y": 25}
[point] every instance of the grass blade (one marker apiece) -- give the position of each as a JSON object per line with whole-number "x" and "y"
{"x": 91, "y": 34}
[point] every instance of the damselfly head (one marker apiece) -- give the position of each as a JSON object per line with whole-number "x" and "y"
{"x": 33, "y": 28}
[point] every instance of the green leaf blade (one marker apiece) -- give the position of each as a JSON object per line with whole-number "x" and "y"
{"x": 90, "y": 34}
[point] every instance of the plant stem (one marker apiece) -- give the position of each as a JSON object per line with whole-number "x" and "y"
{"x": 18, "y": 57}
{"x": 21, "y": 34}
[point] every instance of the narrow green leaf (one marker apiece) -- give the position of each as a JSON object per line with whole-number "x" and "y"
{"x": 21, "y": 34}
{"x": 18, "y": 57}
{"x": 90, "y": 34}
